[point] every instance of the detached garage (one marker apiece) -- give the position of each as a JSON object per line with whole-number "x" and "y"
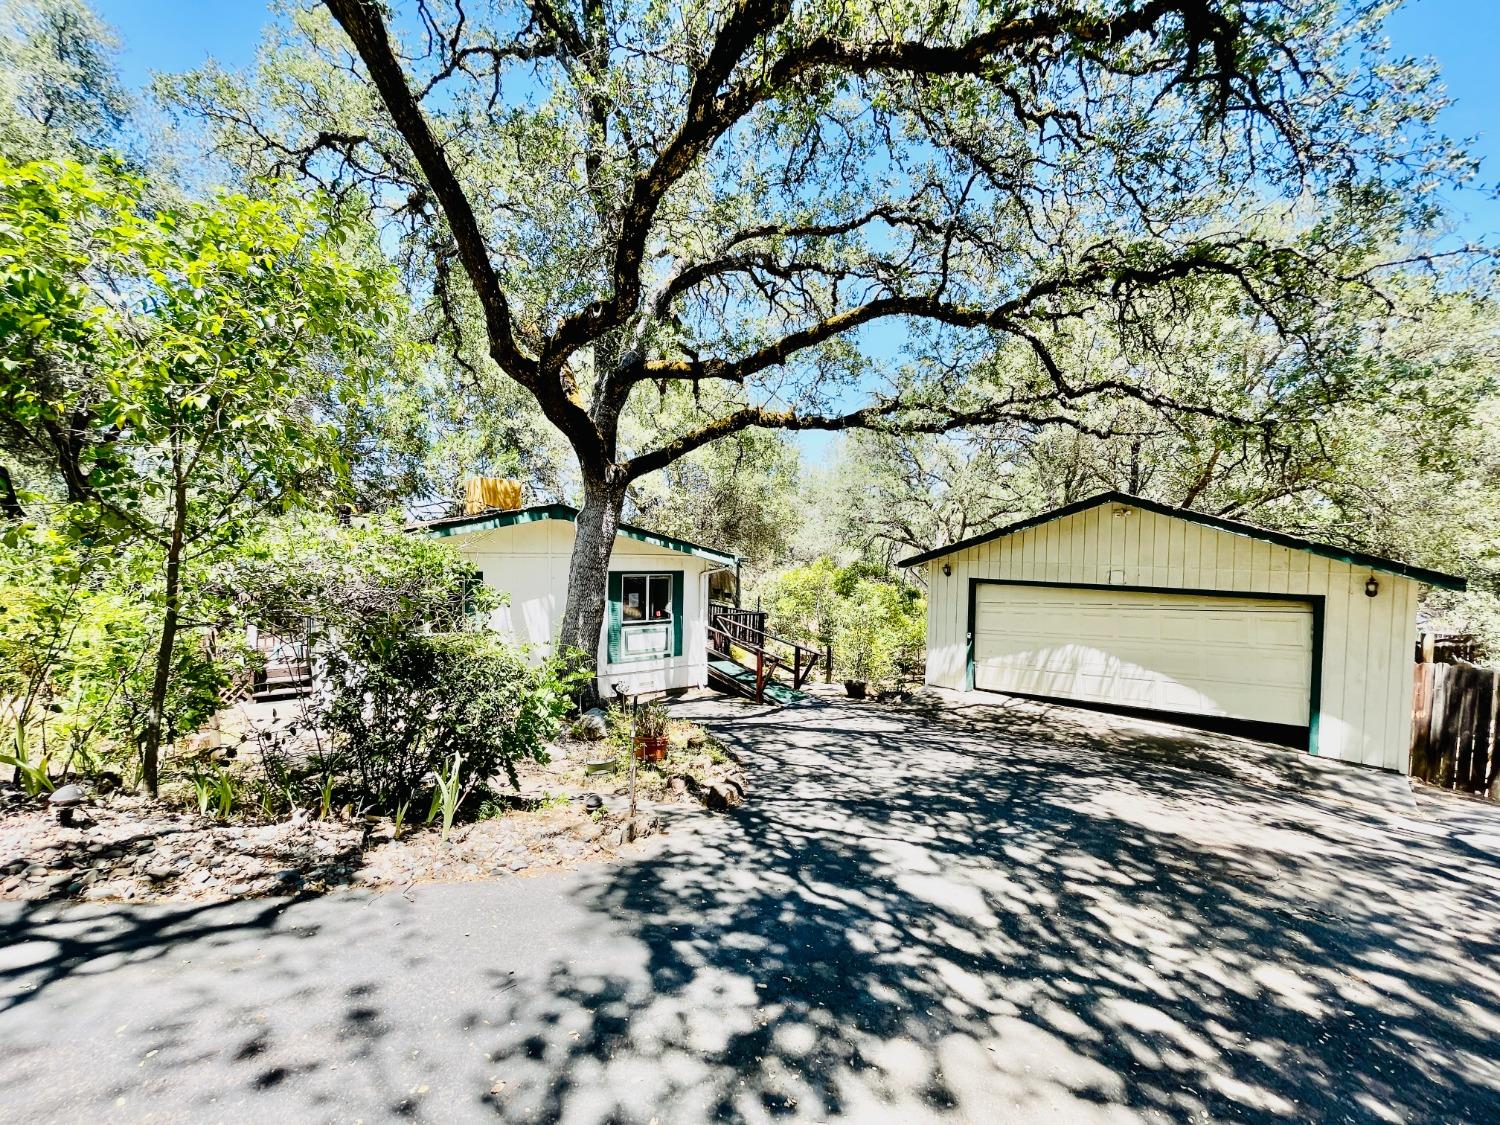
{"x": 1134, "y": 606}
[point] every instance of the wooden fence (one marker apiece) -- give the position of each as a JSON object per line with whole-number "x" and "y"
{"x": 1455, "y": 742}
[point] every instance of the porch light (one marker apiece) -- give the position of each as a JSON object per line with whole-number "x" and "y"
{"x": 947, "y": 570}
{"x": 1372, "y": 587}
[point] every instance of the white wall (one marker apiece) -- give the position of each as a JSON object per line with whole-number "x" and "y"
{"x": 1366, "y": 686}
{"x": 529, "y": 561}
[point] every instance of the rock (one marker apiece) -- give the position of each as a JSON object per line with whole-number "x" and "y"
{"x": 723, "y": 795}
{"x": 697, "y": 739}
{"x": 66, "y": 797}
{"x": 591, "y": 725}
{"x": 589, "y": 832}
{"x": 161, "y": 870}
{"x": 519, "y": 865}
{"x": 678, "y": 785}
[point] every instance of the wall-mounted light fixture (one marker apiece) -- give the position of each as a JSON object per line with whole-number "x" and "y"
{"x": 947, "y": 570}
{"x": 1372, "y": 587}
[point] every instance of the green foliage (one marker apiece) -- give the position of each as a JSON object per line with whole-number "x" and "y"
{"x": 203, "y": 791}
{"x": 61, "y": 90}
{"x": 162, "y": 365}
{"x": 880, "y": 632}
{"x": 738, "y": 495}
{"x": 363, "y": 581}
{"x": 173, "y": 344}
{"x": 876, "y": 625}
{"x": 445, "y": 796}
{"x": 399, "y": 707}
{"x": 412, "y": 676}
{"x": 77, "y": 628}
{"x": 802, "y": 602}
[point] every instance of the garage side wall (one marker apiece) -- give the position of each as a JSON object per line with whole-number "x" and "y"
{"x": 529, "y": 562}
{"x": 1365, "y": 709}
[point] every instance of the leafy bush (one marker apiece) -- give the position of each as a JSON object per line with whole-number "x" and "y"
{"x": 801, "y": 603}
{"x": 78, "y": 628}
{"x": 880, "y": 631}
{"x": 399, "y": 708}
{"x": 410, "y": 678}
{"x": 876, "y": 625}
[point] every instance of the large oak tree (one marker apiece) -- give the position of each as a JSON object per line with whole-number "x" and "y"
{"x": 669, "y": 223}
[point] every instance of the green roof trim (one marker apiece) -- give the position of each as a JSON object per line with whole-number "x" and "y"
{"x": 1218, "y": 523}
{"x": 489, "y": 521}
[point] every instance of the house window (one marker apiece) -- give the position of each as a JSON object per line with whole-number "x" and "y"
{"x": 645, "y": 597}
{"x": 644, "y": 616}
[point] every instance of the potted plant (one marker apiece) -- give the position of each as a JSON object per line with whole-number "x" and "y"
{"x": 651, "y": 733}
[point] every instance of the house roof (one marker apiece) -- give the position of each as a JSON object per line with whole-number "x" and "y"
{"x": 1218, "y": 523}
{"x": 487, "y": 521}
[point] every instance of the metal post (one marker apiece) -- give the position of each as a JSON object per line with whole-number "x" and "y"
{"x": 634, "y": 704}
{"x": 760, "y": 674}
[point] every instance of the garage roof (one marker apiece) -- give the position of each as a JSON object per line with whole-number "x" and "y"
{"x": 486, "y": 521}
{"x": 1219, "y": 523}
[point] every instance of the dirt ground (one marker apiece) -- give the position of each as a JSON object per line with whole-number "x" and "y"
{"x": 128, "y": 848}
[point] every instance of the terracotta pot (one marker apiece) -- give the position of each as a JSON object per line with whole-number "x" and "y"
{"x": 651, "y": 749}
{"x": 855, "y": 688}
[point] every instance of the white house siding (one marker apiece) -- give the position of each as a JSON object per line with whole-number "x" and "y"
{"x": 1365, "y": 698}
{"x": 529, "y": 561}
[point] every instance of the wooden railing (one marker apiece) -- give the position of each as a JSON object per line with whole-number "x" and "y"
{"x": 730, "y": 628}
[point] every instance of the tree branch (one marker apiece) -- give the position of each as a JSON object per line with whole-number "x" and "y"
{"x": 363, "y": 23}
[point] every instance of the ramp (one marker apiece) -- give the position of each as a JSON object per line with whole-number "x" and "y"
{"x": 726, "y": 675}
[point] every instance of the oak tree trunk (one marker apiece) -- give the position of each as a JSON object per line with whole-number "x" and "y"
{"x": 588, "y": 576}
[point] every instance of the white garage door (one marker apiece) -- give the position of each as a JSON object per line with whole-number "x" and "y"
{"x": 1241, "y": 658}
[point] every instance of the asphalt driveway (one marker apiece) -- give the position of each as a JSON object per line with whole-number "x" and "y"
{"x": 942, "y": 912}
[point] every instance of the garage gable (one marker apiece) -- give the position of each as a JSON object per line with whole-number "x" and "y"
{"x": 1120, "y": 503}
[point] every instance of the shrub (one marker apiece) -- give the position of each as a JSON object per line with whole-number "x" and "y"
{"x": 877, "y": 626}
{"x": 410, "y": 677}
{"x": 399, "y": 708}
{"x": 880, "y": 632}
{"x": 78, "y": 627}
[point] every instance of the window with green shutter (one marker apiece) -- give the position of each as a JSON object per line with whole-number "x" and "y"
{"x": 644, "y": 614}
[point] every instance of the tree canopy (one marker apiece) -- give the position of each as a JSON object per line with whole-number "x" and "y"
{"x": 717, "y": 216}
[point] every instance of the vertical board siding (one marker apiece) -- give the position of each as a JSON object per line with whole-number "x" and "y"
{"x": 1366, "y": 658}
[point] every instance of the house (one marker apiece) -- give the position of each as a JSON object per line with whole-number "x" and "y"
{"x": 656, "y": 616}
{"x": 1134, "y": 606}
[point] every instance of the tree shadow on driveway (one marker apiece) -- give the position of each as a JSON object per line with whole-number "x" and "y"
{"x": 938, "y": 912}
{"x": 1013, "y": 913}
